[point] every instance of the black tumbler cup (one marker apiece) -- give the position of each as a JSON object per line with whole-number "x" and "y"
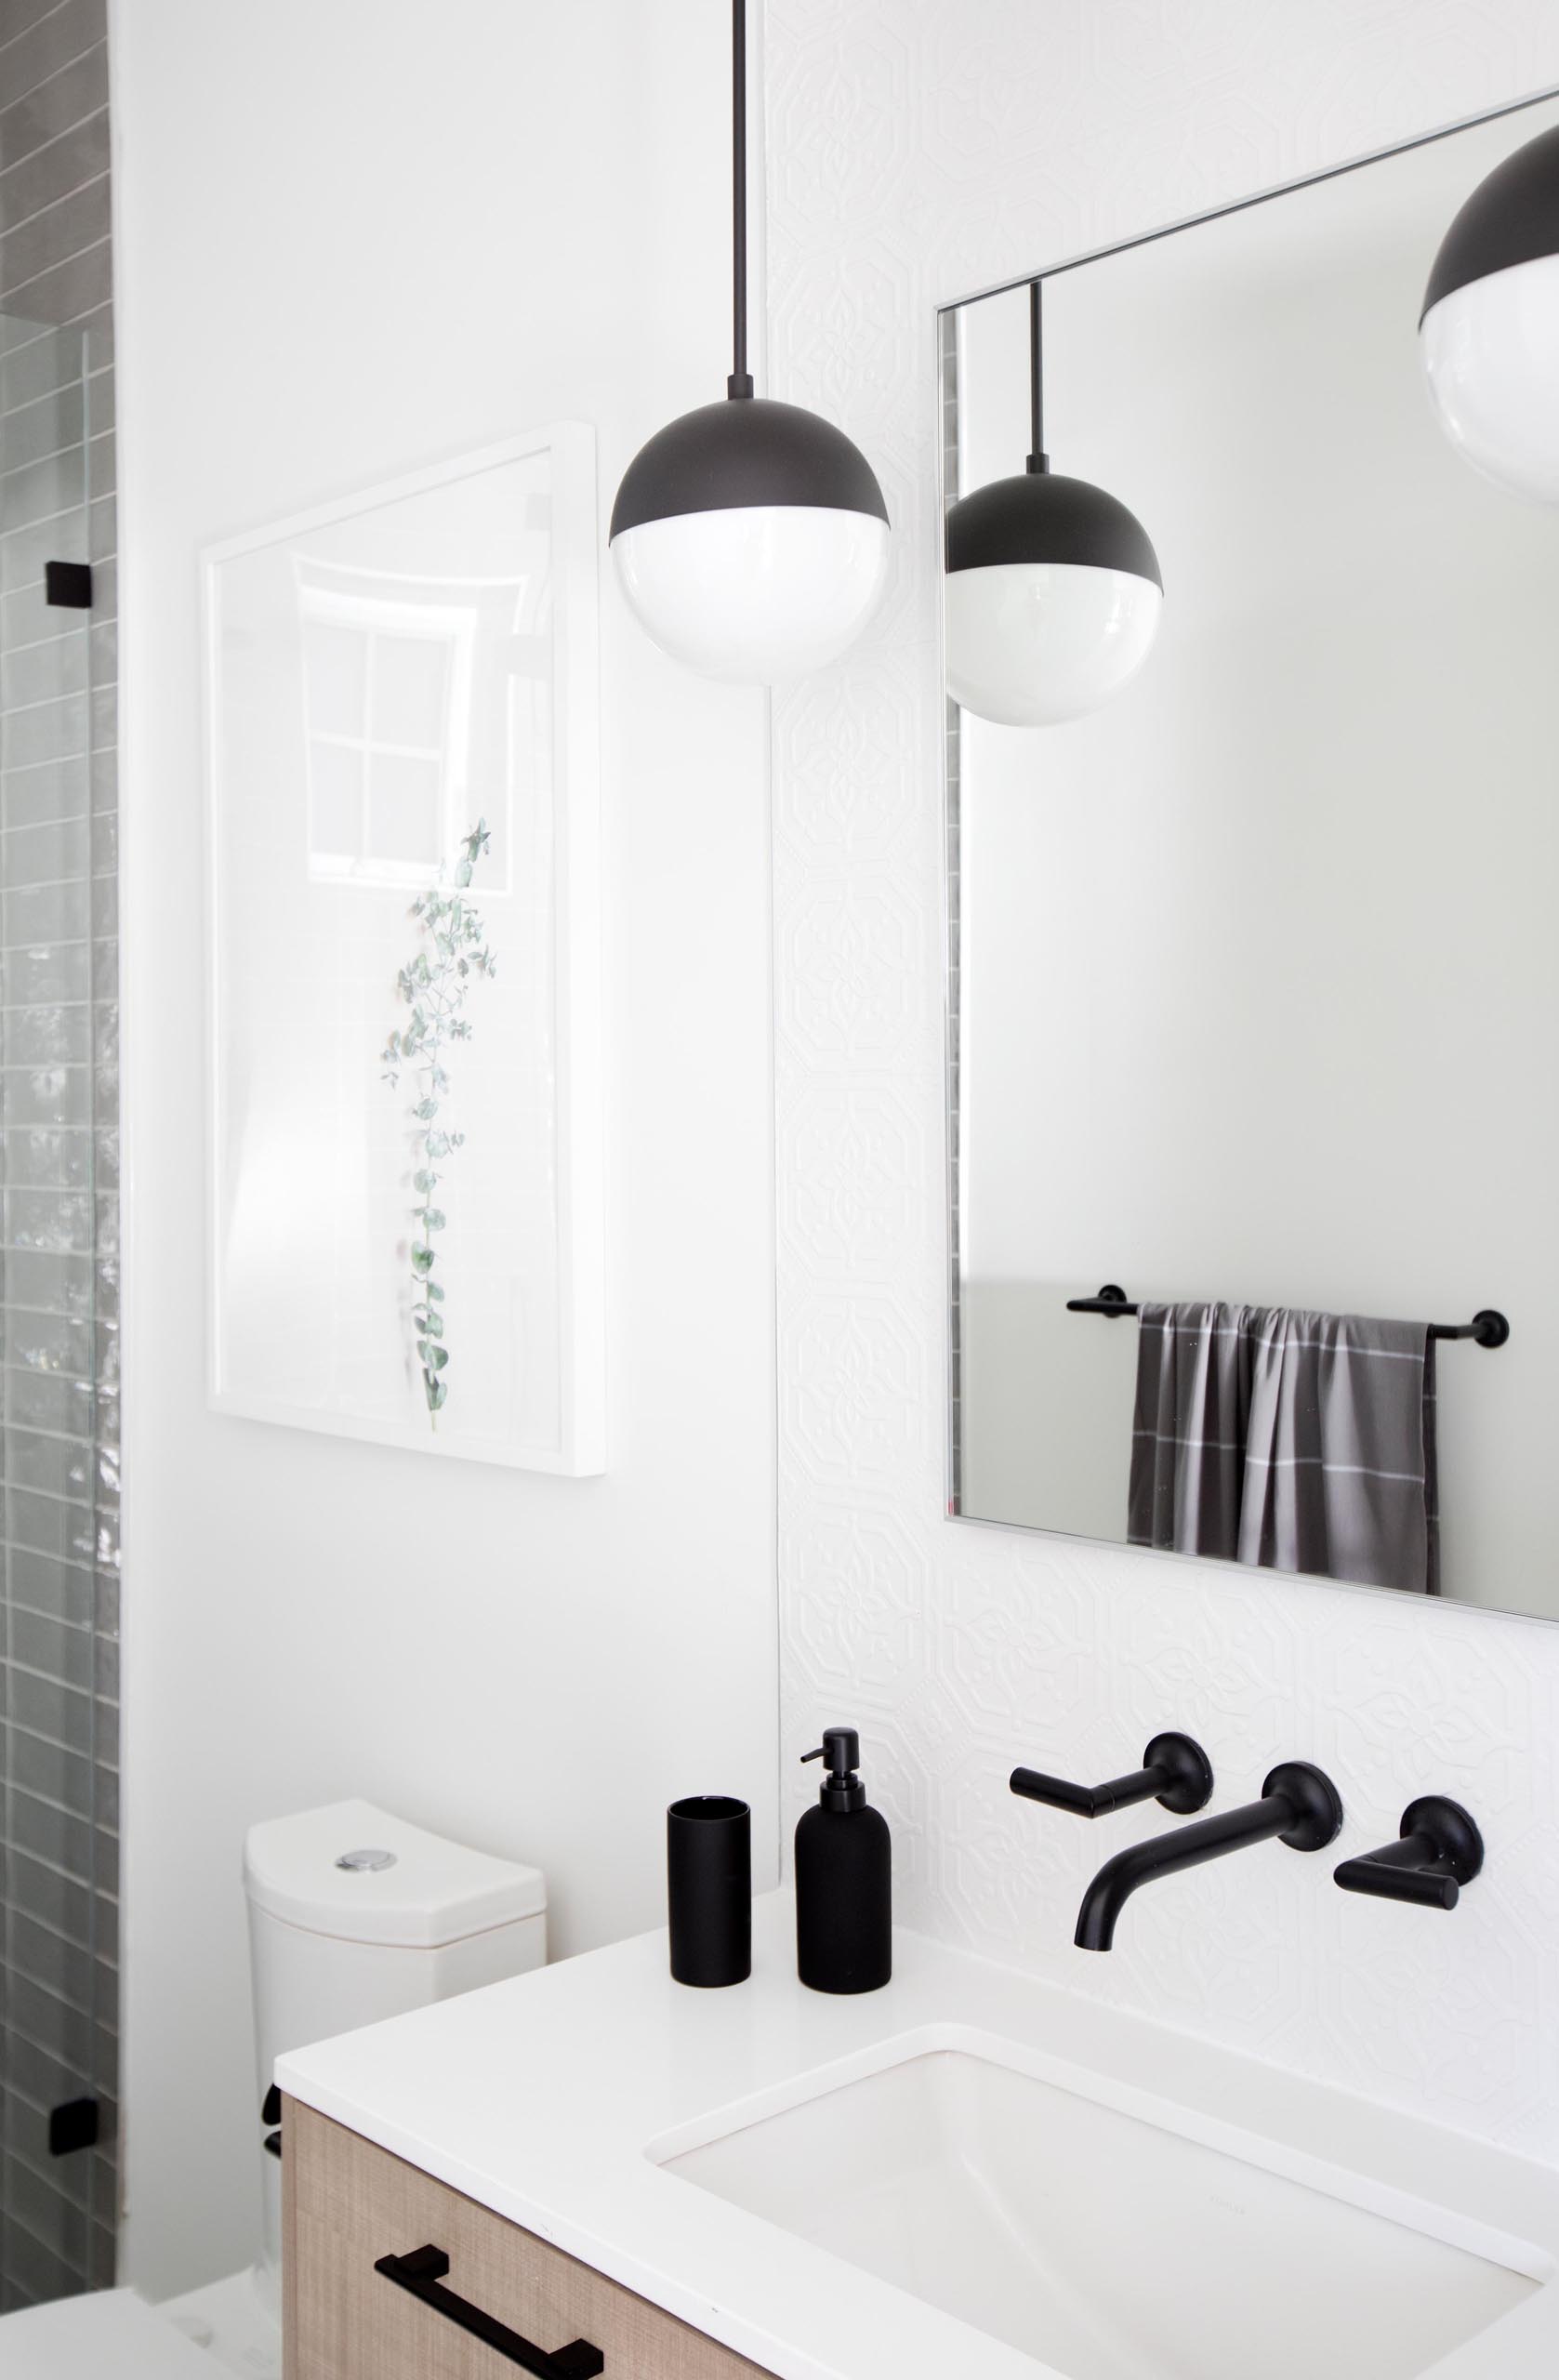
{"x": 709, "y": 1874}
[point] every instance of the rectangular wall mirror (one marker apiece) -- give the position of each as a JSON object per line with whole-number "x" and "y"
{"x": 1254, "y": 998}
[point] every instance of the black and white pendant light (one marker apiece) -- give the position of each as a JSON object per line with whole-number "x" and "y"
{"x": 1053, "y": 591}
{"x": 751, "y": 538}
{"x": 1489, "y": 329}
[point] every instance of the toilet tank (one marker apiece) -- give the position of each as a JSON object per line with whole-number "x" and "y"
{"x": 356, "y": 1915}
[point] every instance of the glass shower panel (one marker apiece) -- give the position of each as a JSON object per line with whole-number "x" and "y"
{"x": 59, "y": 1845}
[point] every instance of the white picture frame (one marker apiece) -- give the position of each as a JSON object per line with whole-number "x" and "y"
{"x": 380, "y": 672}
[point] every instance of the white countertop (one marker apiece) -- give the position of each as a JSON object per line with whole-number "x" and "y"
{"x": 540, "y": 2097}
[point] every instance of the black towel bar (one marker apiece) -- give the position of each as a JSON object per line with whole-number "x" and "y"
{"x": 1488, "y": 1326}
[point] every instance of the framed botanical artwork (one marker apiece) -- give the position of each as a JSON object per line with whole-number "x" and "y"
{"x": 404, "y": 1199}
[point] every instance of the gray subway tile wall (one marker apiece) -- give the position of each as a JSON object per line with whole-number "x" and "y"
{"x": 59, "y": 1154}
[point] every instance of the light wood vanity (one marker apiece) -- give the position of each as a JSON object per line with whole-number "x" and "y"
{"x": 347, "y": 2205}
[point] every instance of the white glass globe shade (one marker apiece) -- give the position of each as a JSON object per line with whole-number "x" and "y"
{"x": 1491, "y": 351}
{"x": 1031, "y": 643}
{"x": 754, "y": 593}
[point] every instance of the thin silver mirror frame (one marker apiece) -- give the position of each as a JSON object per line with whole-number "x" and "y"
{"x": 945, "y": 367}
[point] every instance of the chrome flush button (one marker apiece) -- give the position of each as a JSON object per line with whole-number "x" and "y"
{"x": 359, "y": 1863}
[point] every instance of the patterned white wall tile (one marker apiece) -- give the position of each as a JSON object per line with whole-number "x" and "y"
{"x": 857, "y": 1200}
{"x": 917, "y": 149}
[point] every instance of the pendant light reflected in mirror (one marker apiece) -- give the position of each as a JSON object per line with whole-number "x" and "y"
{"x": 1053, "y": 591}
{"x": 751, "y": 538}
{"x": 1489, "y": 330}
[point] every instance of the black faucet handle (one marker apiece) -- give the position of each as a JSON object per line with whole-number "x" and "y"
{"x": 1175, "y": 1771}
{"x": 1438, "y": 1850}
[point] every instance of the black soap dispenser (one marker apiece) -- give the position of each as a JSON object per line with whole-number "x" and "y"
{"x": 844, "y": 1887}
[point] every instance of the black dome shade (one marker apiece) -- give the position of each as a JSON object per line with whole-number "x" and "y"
{"x": 745, "y": 451}
{"x": 1041, "y": 516}
{"x": 1511, "y": 218}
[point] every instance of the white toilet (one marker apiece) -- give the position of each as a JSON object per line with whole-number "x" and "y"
{"x": 354, "y": 1915}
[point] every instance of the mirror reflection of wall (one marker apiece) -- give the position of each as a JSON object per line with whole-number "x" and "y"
{"x": 1259, "y": 985}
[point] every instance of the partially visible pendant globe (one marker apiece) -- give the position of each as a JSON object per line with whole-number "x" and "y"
{"x": 1489, "y": 329}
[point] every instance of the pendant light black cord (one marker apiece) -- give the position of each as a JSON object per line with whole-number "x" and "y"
{"x": 1039, "y": 460}
{"x": 739, "y": 382}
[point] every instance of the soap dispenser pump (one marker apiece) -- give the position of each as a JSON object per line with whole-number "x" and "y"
{"x": 844, "y": 1899}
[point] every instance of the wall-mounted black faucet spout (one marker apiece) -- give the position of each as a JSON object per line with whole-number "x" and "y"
{"x": 1298, "y": 1805}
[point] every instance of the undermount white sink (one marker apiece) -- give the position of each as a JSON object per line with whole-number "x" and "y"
{"x": 1111, "y": 2236}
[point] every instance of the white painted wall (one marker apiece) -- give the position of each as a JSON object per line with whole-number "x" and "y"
{"x": 353, "y": 239}
{"x": 919, "y": 149}
{"x": 1259, "y": 978}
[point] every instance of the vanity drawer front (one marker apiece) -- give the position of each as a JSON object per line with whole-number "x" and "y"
{"x": 346, "y": 2203}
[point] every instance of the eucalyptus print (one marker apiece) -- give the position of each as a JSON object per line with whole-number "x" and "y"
{"x": 434, "y": 985}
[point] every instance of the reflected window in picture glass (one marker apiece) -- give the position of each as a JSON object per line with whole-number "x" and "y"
{"x": 387, "y": 697}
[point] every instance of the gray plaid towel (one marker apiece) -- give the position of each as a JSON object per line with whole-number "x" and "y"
{"x": 1292, "y": 1441}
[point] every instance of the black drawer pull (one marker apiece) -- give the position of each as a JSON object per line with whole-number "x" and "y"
{"x": 422, "y": 2273}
